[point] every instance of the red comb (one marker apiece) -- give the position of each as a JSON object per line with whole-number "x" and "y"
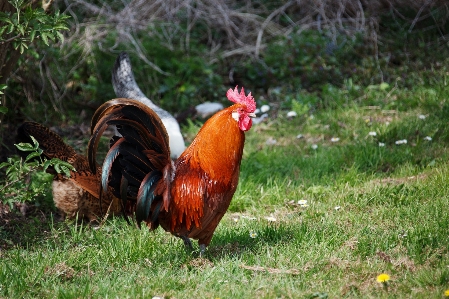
{"x": 241, "y": 98}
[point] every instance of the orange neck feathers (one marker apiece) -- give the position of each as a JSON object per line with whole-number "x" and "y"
{"x": 218, "y": 147}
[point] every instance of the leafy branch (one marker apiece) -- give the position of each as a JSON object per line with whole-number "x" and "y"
{"x": 18, "y": 169}
{"x": 26, "y": 24}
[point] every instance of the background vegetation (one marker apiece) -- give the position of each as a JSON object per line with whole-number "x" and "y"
{"x": 327, "y": 200}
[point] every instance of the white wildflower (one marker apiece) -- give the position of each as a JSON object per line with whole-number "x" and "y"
{"x": 253, "y": 234}
{"x": 337, "y": 208}
{"x": 271, "y": 141}
{"x": 302, "y": 202}
{"x": 257, "y": 111}
{"x": 292, "y": 114}
{"x": 264, "y": 108}
{"x": 422, "y": 116}
{"x": 372, "y": 133}
{"x": 403, "y": 141}
{"x": 299, "y": 136}
{"x": 428, "y": 138}
{"x": 403, "y": 234}
{"x": 271, "y": 219}
{"x": 314, "y": 146}
{"x": 235, "y": 219}
{"x": 335, "y": 139}
{"x": 381, "y": 144}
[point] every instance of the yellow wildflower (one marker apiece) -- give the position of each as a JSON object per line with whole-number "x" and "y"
{"x": 382, "y": 278}
{"x": 446, "y": 293}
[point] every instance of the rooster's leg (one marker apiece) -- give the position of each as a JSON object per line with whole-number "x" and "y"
{"x": 202, "y": 249}
{"x": 187, "y": 242}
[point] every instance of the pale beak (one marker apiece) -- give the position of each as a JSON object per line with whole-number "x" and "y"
{"x": 252, "y": 114}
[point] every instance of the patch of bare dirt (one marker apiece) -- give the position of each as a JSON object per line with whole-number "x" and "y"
{"x": 200, "y": 263}
{"x": 61, "y": 271}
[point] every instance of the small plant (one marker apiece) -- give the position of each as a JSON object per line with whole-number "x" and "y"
{"x": 19, "y": 186}
{"x": 27, "y": 24}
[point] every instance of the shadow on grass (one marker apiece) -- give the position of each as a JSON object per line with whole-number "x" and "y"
{"x": 236, "y": 242}
{"x": 19, "y": 230}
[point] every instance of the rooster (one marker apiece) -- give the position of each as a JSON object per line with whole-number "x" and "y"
{"x": 186, "y": 197}
{"x": 77, "y": 196}
{"x": 125, "y": 86}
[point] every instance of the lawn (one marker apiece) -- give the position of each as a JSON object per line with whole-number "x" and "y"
{"x": 327, "y": 201}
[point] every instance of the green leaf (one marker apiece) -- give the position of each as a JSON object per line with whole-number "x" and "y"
{"x": 21, "y": 29}
{"x": 2, "y": 29}
{"x": 65, "y": 170}
{"x": 32, "y": 35}
{"x": 5, "y": 18}
{"x": 33, "y": 164}
{"x": 44, "y": 37}
{"x": 26, "y": 147}
{"x": 60, "y": 27}
{"x": 57, "y": 168}
{"x": 47, "y": 164}
{"x": 51, "y": 36}
{"x": 4, "y": 164}
{"x": 3, "y": 109}
{"x": 32, "y": 155}
{"x": 35, "y": 142}
{"x": 11, "y": 170}
{"x": 60, "y": 36}
{"x": 10, "y": 29}
{"x": 56, "y": 161}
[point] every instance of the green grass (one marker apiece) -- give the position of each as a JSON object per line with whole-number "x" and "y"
{"x": 371, "y": 210}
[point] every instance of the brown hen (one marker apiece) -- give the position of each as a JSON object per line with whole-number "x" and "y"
{"x": 79, "y": 194}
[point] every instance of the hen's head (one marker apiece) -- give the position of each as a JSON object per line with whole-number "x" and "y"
{"x": 245, "y": 110}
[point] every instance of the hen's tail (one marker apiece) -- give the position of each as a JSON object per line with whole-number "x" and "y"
{"x": 51, "y": 143}
{"x": 125, "y": 86}
{"x": 137, "y": 160}
{"x": 123, "y": 81}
